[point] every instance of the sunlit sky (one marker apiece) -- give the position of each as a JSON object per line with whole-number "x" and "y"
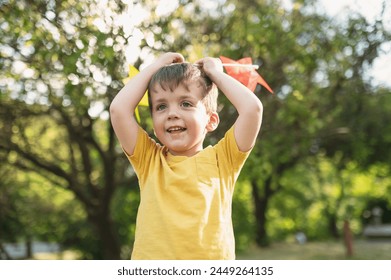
{"x": 371, "y": 9}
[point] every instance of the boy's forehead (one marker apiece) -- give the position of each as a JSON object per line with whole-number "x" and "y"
{"x": 190, "y": 88}
{"x": 180, "y": 92}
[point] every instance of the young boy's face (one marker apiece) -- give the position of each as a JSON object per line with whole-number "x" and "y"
{"x": 180, "y": 118}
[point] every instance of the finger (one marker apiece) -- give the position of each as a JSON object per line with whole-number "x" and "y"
{"x": 178, "y": 58}
{"x": 199, "y": 62}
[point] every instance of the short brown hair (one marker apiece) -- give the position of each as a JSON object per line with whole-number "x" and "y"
{"x": 171, "y": 76}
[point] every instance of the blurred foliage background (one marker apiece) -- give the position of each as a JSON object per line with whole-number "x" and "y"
{"x": 323, "y": 155}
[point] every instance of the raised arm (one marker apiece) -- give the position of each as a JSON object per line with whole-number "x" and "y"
{"x": 123, "y": 105}
{"x": 249, "y": 107}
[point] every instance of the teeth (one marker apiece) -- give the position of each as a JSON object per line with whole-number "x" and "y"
{"x": 176, "y": 128}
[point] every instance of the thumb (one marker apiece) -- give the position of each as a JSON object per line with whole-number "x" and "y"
{"x": 178, "y": 58}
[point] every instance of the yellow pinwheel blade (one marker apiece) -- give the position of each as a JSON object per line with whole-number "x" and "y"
{"x": 133, "y": 71}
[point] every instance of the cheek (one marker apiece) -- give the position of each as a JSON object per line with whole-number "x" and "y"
{"x": 156, "y": 122}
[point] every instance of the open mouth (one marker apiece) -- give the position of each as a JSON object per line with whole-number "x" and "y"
{"x": 175, "y": 129}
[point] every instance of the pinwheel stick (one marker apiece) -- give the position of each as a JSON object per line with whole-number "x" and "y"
{"x": 241, "y": 65}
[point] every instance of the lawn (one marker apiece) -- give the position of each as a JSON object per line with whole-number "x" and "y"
{"x": 326, "y": 250}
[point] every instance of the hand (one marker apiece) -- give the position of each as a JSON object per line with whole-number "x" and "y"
{"x": 210, "y": 65}
{"x": 168, "y": 58}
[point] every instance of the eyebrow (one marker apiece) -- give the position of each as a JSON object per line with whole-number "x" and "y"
{"x": 160, "y": 100}
{"x": 182, "y": 96}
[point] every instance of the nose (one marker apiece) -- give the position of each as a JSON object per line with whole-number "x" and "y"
{"x": 173, "y": 113}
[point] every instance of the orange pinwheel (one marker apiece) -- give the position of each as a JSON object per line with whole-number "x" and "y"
{"x": 244, "y": 72}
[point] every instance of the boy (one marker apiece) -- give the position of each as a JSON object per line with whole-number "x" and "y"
{"x": 186, "y": 191}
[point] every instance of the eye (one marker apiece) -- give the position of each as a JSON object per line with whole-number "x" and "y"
{"x": 161, "y": 107}
{"x": 186, "y": 104}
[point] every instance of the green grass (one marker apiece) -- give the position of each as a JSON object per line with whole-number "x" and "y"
{"x": 326, "y": 250}
{"x": 65, "y": 255}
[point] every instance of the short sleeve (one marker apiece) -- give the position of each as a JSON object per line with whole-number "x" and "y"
{"x": 143, "y": 152}
{"x": 230, "y": 158}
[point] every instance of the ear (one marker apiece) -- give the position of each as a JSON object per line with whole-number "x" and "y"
{"x": 214, "y": 121}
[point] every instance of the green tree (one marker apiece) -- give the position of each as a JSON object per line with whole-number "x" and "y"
{"x": 59, "y": 71}
{"x": 318, "y": 83}
{"x": 63, "y": 61}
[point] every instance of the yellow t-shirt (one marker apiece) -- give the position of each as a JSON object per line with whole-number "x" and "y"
{"x": 185, "y": 207}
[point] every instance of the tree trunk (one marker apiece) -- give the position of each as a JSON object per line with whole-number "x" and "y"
{"x": 29, "y": 248}
{"x": 348, "y": 238}
{"x": 260, "y": 207}
{"x": 110, "y": 245}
